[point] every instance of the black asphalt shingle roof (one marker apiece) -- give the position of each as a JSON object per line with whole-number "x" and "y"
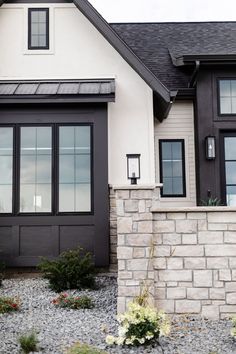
{"x": 153, "y": 42}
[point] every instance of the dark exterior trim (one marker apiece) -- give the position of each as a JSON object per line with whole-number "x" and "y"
{"x": 186, "y": 93}
{"x": 183, "y": 195}
{"x": 57, "y": 99}
{"x": 37, "y": 1}
{"x": 30, "y": 10}
{"x": 226, "y": 115}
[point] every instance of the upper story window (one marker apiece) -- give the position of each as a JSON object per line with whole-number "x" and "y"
{"x": 227, "y": 91}
{"x": 172, "y": 168}
{"x": 38, "y": 28}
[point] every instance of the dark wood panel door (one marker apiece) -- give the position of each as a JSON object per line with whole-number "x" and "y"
{"x": 59, "y": 183}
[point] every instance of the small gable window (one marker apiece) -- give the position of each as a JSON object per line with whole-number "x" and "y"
{"x": 38, "y": 28}
{"x": 227, "y": 91}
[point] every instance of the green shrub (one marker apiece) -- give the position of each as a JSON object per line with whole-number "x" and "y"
{"x": 2, "y": 271}
{"x": 8, "y": 304}
{"x": 73, "y": 302}
{"x": 80, "y": 348}
{"x": 72, "y": 270}
{"x": 28, "y": 343}
{"x": 211, "y": 202}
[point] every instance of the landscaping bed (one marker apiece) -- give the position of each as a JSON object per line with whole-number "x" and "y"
{"x": 58, "y": 328}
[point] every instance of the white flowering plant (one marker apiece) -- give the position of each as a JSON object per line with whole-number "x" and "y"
{"x": 233, "y": 329}
{"x": 140, "y": 325}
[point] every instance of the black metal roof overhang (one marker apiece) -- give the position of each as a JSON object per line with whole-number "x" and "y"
{"x": 162, "y": 97}
{"x": 51, "y": 91}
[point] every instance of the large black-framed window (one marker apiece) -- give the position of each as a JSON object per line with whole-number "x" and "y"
{"x": 46, "y": 169}
{"x": 227, "y": 96}
{"x": 172, "y": 167}
{"x": 38, "y": 28}
{"x": 229, "y": 168}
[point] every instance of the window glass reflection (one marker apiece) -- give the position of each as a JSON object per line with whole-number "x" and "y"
{"x": 6, "y": 169}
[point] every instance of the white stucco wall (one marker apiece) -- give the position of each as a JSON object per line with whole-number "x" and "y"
{"x": 78, "y": 51}
{"x": 179, "y": 125}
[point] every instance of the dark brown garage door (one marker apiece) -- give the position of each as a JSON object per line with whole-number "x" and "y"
{"x": 53, "y": 182}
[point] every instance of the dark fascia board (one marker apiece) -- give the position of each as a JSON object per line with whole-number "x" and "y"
{"x": 123, "y": 49}
{"x": 58, "y": 99}
{"x": 208, "y": 59}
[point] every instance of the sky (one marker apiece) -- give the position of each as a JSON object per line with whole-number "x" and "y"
{"x": 166, "y": 10}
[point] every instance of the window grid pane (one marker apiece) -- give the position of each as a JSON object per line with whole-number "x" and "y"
{"x": 227, "y": 90}
{"x": 172, "y": 166}
{"x": 38, "y": 28}
{"x": 74, "y": 169}
{"x": 35, "y": 169}
{"x": 6, "y": 171}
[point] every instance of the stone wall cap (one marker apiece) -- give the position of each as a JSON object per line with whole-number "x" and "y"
{"x": 136, "y": 186}
{"x": 193, "y": 209}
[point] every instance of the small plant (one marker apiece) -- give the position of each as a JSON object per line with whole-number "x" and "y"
{"x": 8, "y": 304}
{"x": 72, "y": 270}
{"x": 80, "y": 348}
{"x": 2, "y": 270}
{"x": 28, "y": 343}
{"x": 233, "y": 329}
{"x": 140, "y": 325}
{"x": 75, "y": 303}
{"x": 211, "y": 202}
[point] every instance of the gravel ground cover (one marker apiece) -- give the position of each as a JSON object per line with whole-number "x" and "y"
{"x": 59, "y": 328}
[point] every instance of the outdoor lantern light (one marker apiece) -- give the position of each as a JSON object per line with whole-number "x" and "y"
{"x": 133, "y": 167}
{"x": 210, "y": 147}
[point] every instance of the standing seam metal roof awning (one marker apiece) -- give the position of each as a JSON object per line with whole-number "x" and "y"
{"x": 63, "y": 91}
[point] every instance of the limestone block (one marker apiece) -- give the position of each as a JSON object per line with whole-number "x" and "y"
{"x": 188, "y": 306}
{"x": 175, "y": 263}
{"x": 121, "y": 265}
{"x": 220, "y": 250}
{"x": 128, "y": 291}
{"x": 171, "y": 239}
{"x": 141, "y": 206}
{"x": 171, "y": 284}
{"x": 140, "y": 274}
{"x": 202, "y": 278}
{"x": 186, "y": 226}
{"x": 196, "y": 216}
{"x": 218, "y": 284}
{"x": 165, "y": 305}
{"x": 210, "y": 312}
{"x": 230, "y": 287}
{"x": 189, "y": 239}
{"x": 164, "y": 226}
{"x": 202, "y": 225}
{"x": 124, "y": 252}
{"x": 160, "y": 294}
{"x": 210, "y": 237}
{"x": 139, "y": 240}
{"x": 217, "y": 262}
{"x": 195, "y": 263}
{"x": 159, "y": 263}
{"x": 138, "y": 252}
{"x": 125, "y": 275}
{"x": 159, "y": 216}
{"x": 231, "y": 227}
{"x": 175, "y": 275}
{"x": 185, "y": 284}
{"x": 122, "y": 194}
{"x": 224, "y": 274}
{"x": 124, "y": 225}
{"x": 217, "y": 227}
{"x": 228, "y": 308}
{"x": 120, "y": 240}
{"x": 142, "y": 217}
{"x": 222, "y": 217}
{"x": 176, "y": 293}
{"x": 188, "y": 251}
{"x": 197, "y": 294}
{"x": 131, "y": 206}
{"x": 137, "y": 264}
{"x": 120, "y": 207}
{"x": 234, "y": 274}
{"x": 217, "y": 293}
{"x": 157, "y": 239}
{"x": 145, "y": 226}
{"x": 141, "y": 194}
{"x": 230, "y": 237}
{"x": 176, "y": 216}
{"x": 121, "y": 304}
{"x": 232, "y": 262}
{"x": 162, "y": 251}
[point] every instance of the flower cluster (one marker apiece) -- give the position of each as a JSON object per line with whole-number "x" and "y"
{"x": 233, "y": 329}
{"x": 8, "y": 304}
{"x": 140, "y": 325}
{"x": 78, "y": 302}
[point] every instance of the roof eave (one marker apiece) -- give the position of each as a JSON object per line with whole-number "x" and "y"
{"x": 206, "y": 59}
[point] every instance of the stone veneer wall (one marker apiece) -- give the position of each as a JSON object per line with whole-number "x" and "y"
{"x": 113, "y": 231}
{"x": 193, "y": 269}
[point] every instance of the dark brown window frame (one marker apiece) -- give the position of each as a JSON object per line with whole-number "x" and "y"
{"x": 54, "y": 170}
{"x": 182, "y": 141}
{"x": 30, "y": 10}
{"x": 223, "y": 115}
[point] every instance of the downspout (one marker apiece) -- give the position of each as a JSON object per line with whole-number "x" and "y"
{"x": 193, "y": 78}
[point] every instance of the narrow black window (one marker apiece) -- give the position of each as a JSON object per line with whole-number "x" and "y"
{"x": 172, "y": 168}
{"x": 227, "y": 91}
{"x": 6, "y": 169}
{"x": 38, "y": 28}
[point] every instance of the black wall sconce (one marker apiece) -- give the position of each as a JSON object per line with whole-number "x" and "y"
{"x": 210, "y": 143}
{"x": 133, "y": 167}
